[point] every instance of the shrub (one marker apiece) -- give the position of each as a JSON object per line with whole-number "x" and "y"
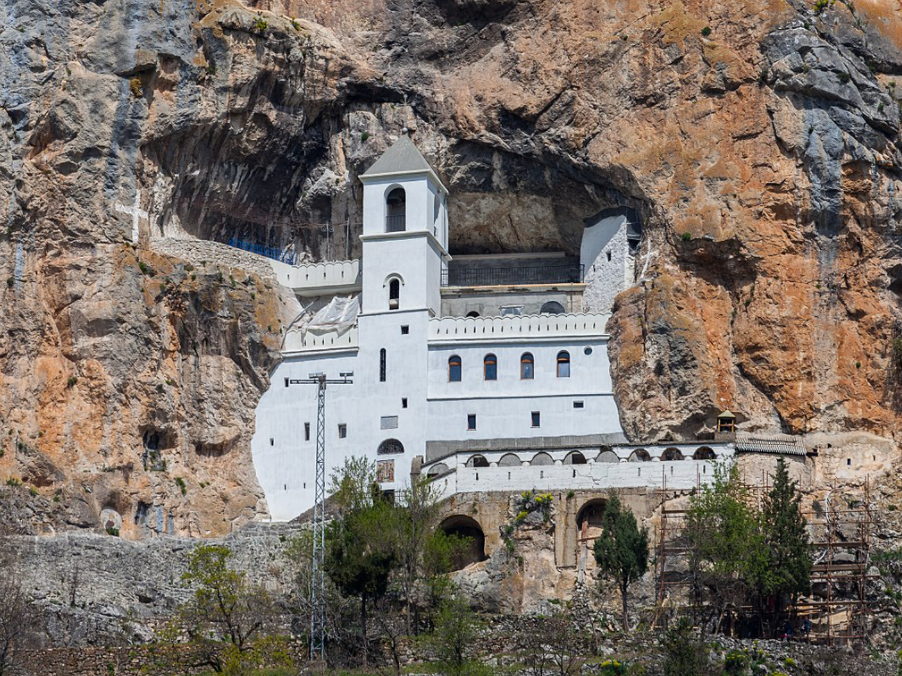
{"x": 9, "y": 281}
{"x": 112, "y": 530}
{"x": 13, "y": 482}
{"x": 844, "y": 77}
{"x": 135, "y": 86}
{"x": 180, "y": 482}
{"x": 295, "y": 24}
{"x": 70, "y": 383}
{"x": 189, "y": 268}
{"x": 686, "y": 236}
{"x": 145, "y": 268}
{"x": 364, "y": 136}
{"x": 260, "y": 24}
{"x": 821, "y": 5}
{"x": 32, "y": 491}
{"x": 706, "y": 31}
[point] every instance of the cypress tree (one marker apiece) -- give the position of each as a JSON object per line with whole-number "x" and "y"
{"x": 622, "y": 550}
{"x": 785, "y": 533}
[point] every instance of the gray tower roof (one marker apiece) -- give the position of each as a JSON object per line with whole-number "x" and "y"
{"x": 402, "y": 158}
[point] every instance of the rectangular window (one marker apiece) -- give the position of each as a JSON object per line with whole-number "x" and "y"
{"x": 404, "y": 402}
{"x": 471, "y": 421}
{"x": 306, "y": 431}
{"x": 536, "y": 419}
{"x": 272, "y": 441}
{"x": 405, "y": 330}
{"x": 286, "y": 382}
{"x": 511, "y": 310}
{"x": 342, "y": 431}
{"x": 382, "y": 356}
{"x": 389, "y": 422}
{"x": 579, "y": 404}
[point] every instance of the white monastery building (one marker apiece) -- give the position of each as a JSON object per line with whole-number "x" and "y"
{"x": 485, "y": 372}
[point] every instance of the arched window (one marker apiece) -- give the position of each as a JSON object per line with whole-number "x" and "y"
{"x": 454, "y": 369}
{"x": 527, "y": 370}
{"x": 390, "y": 447}
{"x": 563, "y": 364}
{"x": 671, "y": 454}
{"x": 490, "y": 367}
{"x": 477, "y": 461}
{"x": 396, "y": 211}
{"x": 382, "y": 365}
{"x": 394, "y": 294}
{"x": 552, "y": 308}
{"x": 472, "y": 313}
{"x": 704, "y": 453}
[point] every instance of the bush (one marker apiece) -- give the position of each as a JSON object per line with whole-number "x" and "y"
{"x": 13, "y": 481}
{"x": 70, "y": 383}
{"x": 684, "y": 654}
{"x": 180, "y": 482}
{"x": 135, "y": 86}
{"x": 706, "y": 31}
{"x": 10, "y": 281}
{"x": 364, "y": 136}
{"x": 686, "y": 236}
{"x": 260, "y": 24}
{"x": 111, "y": 530}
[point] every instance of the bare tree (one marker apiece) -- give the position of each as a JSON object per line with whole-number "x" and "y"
{"x": 553, "y": 646}
{"x": 16, "y": 616}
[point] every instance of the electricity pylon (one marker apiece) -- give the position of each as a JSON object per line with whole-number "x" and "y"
{"x": 318, "y": 571}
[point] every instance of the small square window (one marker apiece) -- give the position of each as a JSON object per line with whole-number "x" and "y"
{"x": 405, "y": 330}
{"x": 403, "y": 402}
{"x": 536, "y": 419}
{"x": 342, "y": 431}
{"x": 306, "y": 431}
{"x": 579, "y": 404}
{"x": 471, "y": 421}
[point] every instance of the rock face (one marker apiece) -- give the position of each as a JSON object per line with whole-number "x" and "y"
{"x": 756, "y": 141}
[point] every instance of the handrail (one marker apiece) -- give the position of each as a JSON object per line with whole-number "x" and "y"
{"x": 539, "y": 274}
{"x": 283, "y": 255}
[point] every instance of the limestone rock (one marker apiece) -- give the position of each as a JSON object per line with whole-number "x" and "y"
{"x": 761, "y": 153}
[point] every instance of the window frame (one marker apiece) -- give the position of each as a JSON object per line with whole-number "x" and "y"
{"x": 535, "y": 419}
{"x": 471, "y": 418}
{"x": 527, "y": 358}
{"x": 342, "y": 430}
{"x": 562, "y": 359}
{"x": 490, "y": 360}
{"x": 460, "y": 368}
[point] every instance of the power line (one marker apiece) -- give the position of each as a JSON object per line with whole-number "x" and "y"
{"x": 318, "y": 577}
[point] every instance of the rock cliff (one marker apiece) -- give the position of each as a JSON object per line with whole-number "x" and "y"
{"x": 756, "y": 140}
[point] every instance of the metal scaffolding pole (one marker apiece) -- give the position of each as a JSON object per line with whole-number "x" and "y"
{"x": 318, "y": 569}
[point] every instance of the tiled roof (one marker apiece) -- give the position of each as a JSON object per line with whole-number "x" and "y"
{"x": 783, "y": 444}
{"x": 403, "y": 156}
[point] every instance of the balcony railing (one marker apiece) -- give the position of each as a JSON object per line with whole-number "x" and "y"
{"x": 261, "y": 250}
{"x": 541, "y": 274}
{"x": 396, "y": 223}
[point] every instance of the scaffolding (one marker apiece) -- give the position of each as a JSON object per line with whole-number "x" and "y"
{"x": 837, "y": 611}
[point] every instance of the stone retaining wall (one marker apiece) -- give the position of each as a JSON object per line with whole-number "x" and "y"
{"x": 198, "y": 252}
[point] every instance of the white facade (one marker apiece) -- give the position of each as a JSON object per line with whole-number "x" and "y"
{"x": 400, "y": 350}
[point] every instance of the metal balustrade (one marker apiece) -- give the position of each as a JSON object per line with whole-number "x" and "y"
{"x": 540, "y": 274}
{"x": 272, "y": 252}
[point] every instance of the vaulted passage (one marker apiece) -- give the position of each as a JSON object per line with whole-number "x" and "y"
{"x": 465, "y": 526}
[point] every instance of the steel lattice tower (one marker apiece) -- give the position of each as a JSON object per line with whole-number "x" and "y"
{"x": 318, "y": 568}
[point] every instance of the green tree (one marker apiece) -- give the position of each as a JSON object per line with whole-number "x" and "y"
{"x": 454, "y": 637}
{"x": 360, "y": 547}
{"x": 226, "y": 620}
{"x": 785, "y": 533}
{"x": 727, "y": 556}
{"x": 684, "y": 653}
{"x": 621, "y": 551}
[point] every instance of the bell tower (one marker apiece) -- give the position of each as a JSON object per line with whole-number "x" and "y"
{"x": 405, "y": 232}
